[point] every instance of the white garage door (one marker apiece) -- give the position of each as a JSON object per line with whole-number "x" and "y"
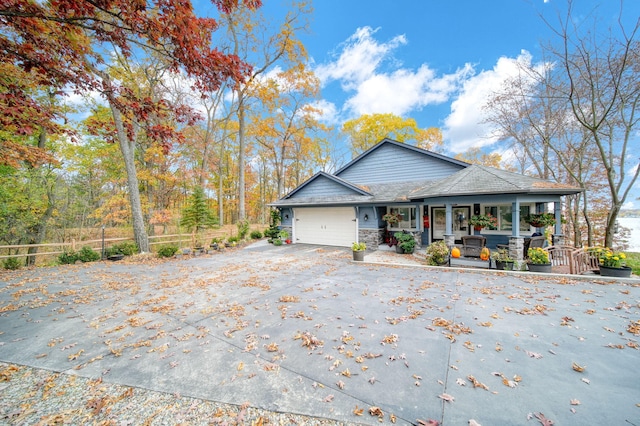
{"x": 329, "y": 226}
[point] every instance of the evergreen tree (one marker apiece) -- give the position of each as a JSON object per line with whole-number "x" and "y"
{"x": 197, "y": 216}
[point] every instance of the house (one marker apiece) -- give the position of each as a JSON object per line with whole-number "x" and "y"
{"x": 434, "y": 196}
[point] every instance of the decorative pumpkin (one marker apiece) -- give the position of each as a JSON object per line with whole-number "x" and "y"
{"x": 485, "y": 253}
{"x": 455, "y": 252}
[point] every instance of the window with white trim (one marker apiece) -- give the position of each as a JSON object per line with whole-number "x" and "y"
{"x": 504, "y": 213}
{"x": 409, "y": 217}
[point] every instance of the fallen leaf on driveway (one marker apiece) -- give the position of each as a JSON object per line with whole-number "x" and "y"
{"x": 428, "y": 422}
{"x": 542, "y": 419}
{"x": 534, "y": 354}
{"x": 578, "y": 368}
{"x": 574, "y": 402}
{"x": 446, "y": 397}
{"x": 376, "y": 411}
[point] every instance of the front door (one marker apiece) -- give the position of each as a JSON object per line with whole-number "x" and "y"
{"x": 459, "y": 222}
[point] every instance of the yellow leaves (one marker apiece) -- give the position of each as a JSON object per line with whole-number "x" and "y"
{"x": 272, "y": 347}
{"x": 486, "y": 324}
{"x": 392, "y": 338}
{"x": 289, "y": 299}
{"x": 358, "y": 411}
{"x": 346, "y": 373}
{"x": 75, "y": 356}
{"x": 240, "y": 366}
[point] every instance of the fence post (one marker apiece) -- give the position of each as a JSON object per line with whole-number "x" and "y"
{"x": 73, "y": 244}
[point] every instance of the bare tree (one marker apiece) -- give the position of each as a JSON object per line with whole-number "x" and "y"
{"x": 601, "y": 70}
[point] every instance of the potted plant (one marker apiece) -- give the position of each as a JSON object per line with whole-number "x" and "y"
{"x": 538, "y": 260}
{"x": 406, "y": 242}
{"x": 284, "y": 235}
{"x": 540, "y": 220}
{"x": 613, "y": 264}
{"x": 392, "y": 218}
{"x": 358, "y": 251}
{"x": 480, "y": 221}
{"x": 437, "y": 253}
{"x": 502, "y": 259}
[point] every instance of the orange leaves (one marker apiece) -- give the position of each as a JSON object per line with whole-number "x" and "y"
{"x": 634, "y": 328}
{"x": 577, "y": 367}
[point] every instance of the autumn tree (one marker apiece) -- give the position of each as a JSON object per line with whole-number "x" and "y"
{"x": 476, "y": 155}
{"x": 284, "y": 125}
{"x": 252, "y": 40}
{"x": 68, "y": 43}
{"x": 369, "y": 129}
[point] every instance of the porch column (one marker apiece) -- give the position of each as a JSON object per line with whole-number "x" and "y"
{"x": 558, "y": 236}
{"x": 516, "y": 242}
{"x": 515, "y": 218}
{"x": 449, "y": 236}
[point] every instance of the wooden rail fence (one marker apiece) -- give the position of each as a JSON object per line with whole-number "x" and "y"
{"x": 54, "y": 249}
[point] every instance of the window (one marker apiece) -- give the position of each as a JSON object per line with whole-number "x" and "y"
{"x": 504, "y": 215}
{"x": 408, "y": 215}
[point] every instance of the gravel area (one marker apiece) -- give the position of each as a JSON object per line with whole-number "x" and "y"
{"x": 32, "y": 396}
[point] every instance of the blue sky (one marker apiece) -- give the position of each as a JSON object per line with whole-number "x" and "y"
{"x": 433, "y": 60}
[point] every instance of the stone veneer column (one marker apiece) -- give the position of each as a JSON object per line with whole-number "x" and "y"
{"x": 516, "y": 249}
{"x": 558, "y": 239}
{"x": 450, "y": 240}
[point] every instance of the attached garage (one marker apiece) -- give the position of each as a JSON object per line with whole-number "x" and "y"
{"x": 329, "y": 226}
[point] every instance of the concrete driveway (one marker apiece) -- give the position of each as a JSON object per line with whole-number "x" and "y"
{"x": 303, "y": 329}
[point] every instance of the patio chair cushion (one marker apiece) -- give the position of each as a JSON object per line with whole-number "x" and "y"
{"x": 472, "y": 245}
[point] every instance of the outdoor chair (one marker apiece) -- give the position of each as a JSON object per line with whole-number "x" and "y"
{"x": 472, "y": 245}
{"x": 533, "y": 242}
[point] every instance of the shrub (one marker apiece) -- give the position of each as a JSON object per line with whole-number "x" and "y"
{"x": 256, "y": 235}
{"x": 11, "y": 263}
{"x": 167, "y": 251}
{"x": 437, "y": 253}
{"x": 126, "y": 248}
{"x": 233, "y": 239}
{"x": 87, "y": 254}
{"x": 243, "y": 229}
{"x": 68, "y": 257}
{"x": 277, "y": 242}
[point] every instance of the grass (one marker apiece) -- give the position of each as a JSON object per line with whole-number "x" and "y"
{"x": 633, "y": 261}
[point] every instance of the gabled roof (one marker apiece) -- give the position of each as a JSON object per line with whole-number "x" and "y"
{"x": 387, "y": 141}
{"x": 478, "y": 180}
{"x": 333, "y": 178}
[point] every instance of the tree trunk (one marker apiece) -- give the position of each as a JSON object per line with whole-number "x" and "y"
{"x": 128, "y": 153}
{"x": 241, "y": 143}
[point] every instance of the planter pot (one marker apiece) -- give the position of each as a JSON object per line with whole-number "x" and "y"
{"x": 478, "y": 228}
{"x": 539, "y": 267}
{"x": 358, "y": 255}
{"x": 399, "y": 249}
{"x": 506, "y": 266}
{"x": 623, "y": 272}
{"x": 407, "y": 252}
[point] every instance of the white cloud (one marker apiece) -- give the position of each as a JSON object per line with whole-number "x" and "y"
{"x": 359, "y": 69}
{"x": 405, "y": 90}
{"x": 359, "y": 59}
{"x": 463, "y": 128}
{"x": 328, "y": 111}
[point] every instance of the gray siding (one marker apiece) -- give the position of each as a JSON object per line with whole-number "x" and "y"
{"x": 392, "y": 163}
{"x": 322, "y": 187}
